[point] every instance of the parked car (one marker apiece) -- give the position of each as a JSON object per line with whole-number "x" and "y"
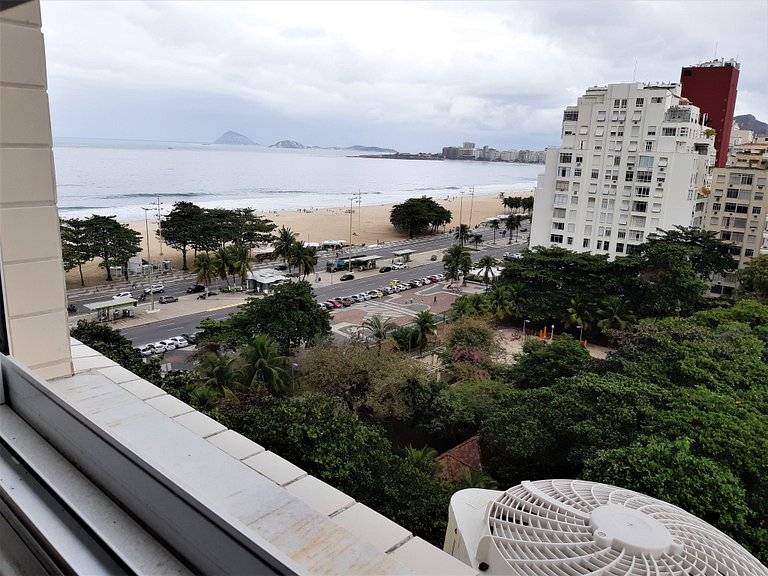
{"x": 169, "y": 344}
{"x": 399, "y": 266}
{"x": 425, "y": 281}
{"x": 154, "y": 288}
{"x": 376, "y": 293}
{"x": 347, "y": 301}
{"x": 345, "y": 277}
{"x": 120, "y": 295}
{"x": 145, "y": 351}
{"x": 195, "y": 289}
{"x": 440, "y": 276}
{"x": 388, "y": 289}
{"x": 192, "y": 338}
{"x": 167, "y": 299}
{"x": 180, "y": 341}
{"x": 333, "y": 303}
{"x": 159, "y": 347}
{"x": 385, "y": 269}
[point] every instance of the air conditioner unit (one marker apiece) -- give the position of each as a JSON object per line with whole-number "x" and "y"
{"x": 574, "y": 527}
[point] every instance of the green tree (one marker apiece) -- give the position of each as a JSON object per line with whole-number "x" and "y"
{"x": 249, "y": 229}
{"x": 456, "y": 262}
{"x": 284, "y": 243}
{"x": 304, "y": 258}
{"x": 462, "y": 234}
{"x": 513, "y": 222}
{"x": 204, "y": 269}
{"x": 260, "y": 362}
{"x": 753, "y": 280}
{"x": 217, "y": 372}
{"x": 494, "y": 225}
{"x": 506, "y": 300}
{"x": 417, "y": 215}
{"x": 113, "y": 242}
{"x": 290, "y": 316}
{"x": 578, "y": 314}
{"x": 423, "y": 459}
{"x": 543, "y": 364}
{"x": 240, "y": 256}
{"x": 379, "y": 328}
{"x": 223, "y": 264}
{"x": 182, "y": 226}
{"x": 705, "y": 252}
{"x": 614, "y": 314}
{"x": 487, "y": 264}
{"x": 76, "y": 248}
{"x": 425, "y": 326}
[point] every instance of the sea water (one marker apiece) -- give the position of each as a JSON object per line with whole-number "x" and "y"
{"x": 119, "y": 177}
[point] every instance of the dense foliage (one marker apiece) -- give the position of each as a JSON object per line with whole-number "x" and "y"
{"x": 418, "y": 215}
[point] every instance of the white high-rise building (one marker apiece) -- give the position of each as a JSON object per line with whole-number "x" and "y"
{"x": 634, "y": 158}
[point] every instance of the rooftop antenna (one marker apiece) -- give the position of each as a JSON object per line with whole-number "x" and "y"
{"x": 634, "y": 73}
{"x": 715, "y": 50}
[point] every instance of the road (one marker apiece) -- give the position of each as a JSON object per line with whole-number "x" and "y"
{"x": 327, "y": 288}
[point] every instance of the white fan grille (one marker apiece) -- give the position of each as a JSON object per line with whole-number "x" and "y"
{"x": 573, "y": 527}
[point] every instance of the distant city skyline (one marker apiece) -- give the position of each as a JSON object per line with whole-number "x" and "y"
{"x": 403, "y": 75}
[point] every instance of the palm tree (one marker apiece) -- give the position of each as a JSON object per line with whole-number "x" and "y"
{"x": 456, "y": 261}
{"x": 261, "y": 363}
{"x": 614, "y": 313}
{"x": 424, "y": 326}
{"x": 423, "y": 458}
{"x": 512, "y": 222}
{"x": 487, "y": 264}
{"x": 282, "y": 246}
{"x": 476, "y": 239}
{"x": 222, "y": 263}
{"x": 241, "y": 258}
{"x": 494, "y": 225}
{"x": 462, "y": 234}
{"x": 203, "y": 267}
{"x": 379, "y": 327}
{"x": 217, "y": 373}
{"x": 578, "y": 314}
{"x": 303, "y": 257}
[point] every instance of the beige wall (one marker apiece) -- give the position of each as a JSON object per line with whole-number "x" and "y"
{"x": 30, "y": 247}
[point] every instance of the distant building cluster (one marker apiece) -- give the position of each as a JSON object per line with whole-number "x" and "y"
{"x": 467, "y": 151}
{"x": 639, "y": 158}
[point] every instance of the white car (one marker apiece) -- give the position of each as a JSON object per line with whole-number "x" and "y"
{"x": 154, "y": 288}
{"x": 121, "y": 295}
{"x": 169, "y": 344}
{"x": 425, "y": 281}
{"x": 157, "y": 347}
{"x": 147, "y": 350}
{"x": 399, "y": 266}
{"x": 180, "y": 341}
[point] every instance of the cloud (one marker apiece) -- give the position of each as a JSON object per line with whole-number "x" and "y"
{"x": 436, "y": 72}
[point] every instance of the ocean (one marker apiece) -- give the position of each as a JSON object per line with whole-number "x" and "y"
{"x": 120, "y": 177}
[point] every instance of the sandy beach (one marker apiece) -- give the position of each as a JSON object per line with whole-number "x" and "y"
{"x": 369, "y": 225}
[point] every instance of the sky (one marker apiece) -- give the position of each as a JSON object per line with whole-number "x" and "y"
{"x": 413, "y": 76}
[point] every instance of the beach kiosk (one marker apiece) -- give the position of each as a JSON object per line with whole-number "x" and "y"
{"x": 111, "y": 310}
{"x": 402, "y": 255}
{"x": 265, "y": 280}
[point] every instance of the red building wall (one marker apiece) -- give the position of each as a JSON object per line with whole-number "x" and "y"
{"x": 713, "y": 90}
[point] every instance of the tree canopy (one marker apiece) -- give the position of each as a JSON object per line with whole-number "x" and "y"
{"x": 418, "y": 215}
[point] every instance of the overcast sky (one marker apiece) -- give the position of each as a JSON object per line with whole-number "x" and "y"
{"x": 411, "y": 76}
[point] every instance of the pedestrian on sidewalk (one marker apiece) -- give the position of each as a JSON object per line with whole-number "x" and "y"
{"x": 435, "y": 300}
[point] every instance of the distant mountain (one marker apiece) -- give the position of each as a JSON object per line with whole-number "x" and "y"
{"x": 230, "y": 137}
{"x": 749, "y": 122}
{"x": 288, "y": 144}
{"x": 359, "y": 148}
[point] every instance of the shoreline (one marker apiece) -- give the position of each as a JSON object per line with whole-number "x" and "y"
{"x": 369, "y": 225}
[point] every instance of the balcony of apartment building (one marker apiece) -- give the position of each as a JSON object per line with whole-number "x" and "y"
{"x": 101, "y": 472}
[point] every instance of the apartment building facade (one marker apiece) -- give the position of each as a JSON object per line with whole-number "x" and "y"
{"x": 634, "y": 159}
{"x": 737, "y": 208}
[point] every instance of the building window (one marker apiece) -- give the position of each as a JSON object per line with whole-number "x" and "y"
{"x": 564, "y": 172}
{"x": 714, "y": 221}
{"x": 622, "y": 234}
{"x": 558, "y": 225}
{"x": 640, "y": 207}
{"x": 656, "y": 207}
{"x": 595, "y": 174}
{"x": 600, "y": 118}
{"x": 737, "y": 237}
{"x": 657, "y": 100}
{"x": 606, "y": 245}
{"x": 639, "y": 102}
{"x": 756, "y": 209}
{"x": 651, "y": 130}
{"x": 569, "y": 241}
{"x": 565, "y": 157}
{"x": 556, "y": 238}
{"x": 716, "y": 207}
{"x": 599, "y": 244}
{"x": 570, "y": 115}
{"x": 629, "y": 176}
{"x": 645, "y": 162}
{"x": 643, "y": 191}
{"x": 644, "y": 175}
{"x": 746, "y": 179}
{"x": 732, "y": 193}
{"x": 751, "y": 238}
{"x": 748, "y": 252}
{"x": 620, "y": 247}
{"x": 742, "y": 209}
{"x": 577, "y": 171}
{"x": 669, "y": 131}
{"x": 585, "y": 243}
{"x": 561, "y": 199}
{"x": 725, "y": 235}
{"x": 624, "y": 103}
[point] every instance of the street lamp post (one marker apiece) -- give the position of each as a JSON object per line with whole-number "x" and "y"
{"x": 149, "y": 261}
{"x": 525, "y": 324}
{"x": 294, "y": 366}
{"x": 581, "y": 330}
{"x": 160, "y": 223}
{"x": 552, "y": 333}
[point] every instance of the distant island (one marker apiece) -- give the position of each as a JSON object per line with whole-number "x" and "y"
{"x": 235, "y": 138}
{"x": 293, "y": 145}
